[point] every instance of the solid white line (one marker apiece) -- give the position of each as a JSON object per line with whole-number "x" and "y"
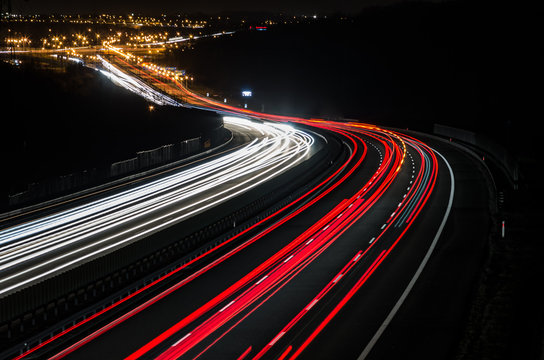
{"x": 226, "y": 306}
{"x": 276, "y": 338}
{"x": 404, "y": 295}
{"x": 180, "y": 340}
{"x": 311, "y": 304}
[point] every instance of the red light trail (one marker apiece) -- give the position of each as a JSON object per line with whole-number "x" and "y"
{"x": 204, "y": 327}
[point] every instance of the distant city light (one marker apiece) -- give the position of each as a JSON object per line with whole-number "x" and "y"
{"x": 247, "y": 93}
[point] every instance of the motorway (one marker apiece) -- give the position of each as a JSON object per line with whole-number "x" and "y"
{"x": 335, "y": 264}
{"x": 44, "y": 246}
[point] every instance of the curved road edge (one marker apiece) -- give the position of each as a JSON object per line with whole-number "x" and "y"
{"x": 431, "y": 321}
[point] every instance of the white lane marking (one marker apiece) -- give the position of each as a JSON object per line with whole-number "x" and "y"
{"x": 372, "y": 240}
{"x": 180, "y": 340}
{"x": 289, "y": 258}
{"x": 276, "y": 338}
{"x": 404, "y": 295}
{"x": 383, "y": 226}
{"x": 262, "y": 279}
{"x": 337, "y": 278}
{"x": 311, "y": 304}
{"x": 357, "y": 257}
{"x": 309, "y": 241}
{"x": 226, "y": 306}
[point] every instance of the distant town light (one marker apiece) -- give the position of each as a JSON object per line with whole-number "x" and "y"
{"x": 247, "y": 93}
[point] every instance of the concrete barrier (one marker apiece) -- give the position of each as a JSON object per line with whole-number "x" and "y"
{"x": 144, "y": 160}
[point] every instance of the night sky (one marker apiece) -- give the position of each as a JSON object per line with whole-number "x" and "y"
{"x": 298, "y": 7}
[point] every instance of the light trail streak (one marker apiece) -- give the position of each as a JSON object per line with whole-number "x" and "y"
{"x": 148, "y": 208}
{"x": 328, "y": 232}
{"x": 215, "y": 321}
{"x": 179, "y": 39}
{"x": 418, "y": 194}
{"x": 240, "y": 300}
{"x": 137, "y": 86}
{"x": 324, "y": 184}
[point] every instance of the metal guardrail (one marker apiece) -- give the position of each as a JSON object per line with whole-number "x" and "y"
{"x": 495, "y": 152}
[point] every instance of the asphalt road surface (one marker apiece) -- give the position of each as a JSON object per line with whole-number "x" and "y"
{"x": 375, "y": 261}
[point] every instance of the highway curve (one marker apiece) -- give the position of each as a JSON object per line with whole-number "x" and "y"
{"x": 324, "y": 277}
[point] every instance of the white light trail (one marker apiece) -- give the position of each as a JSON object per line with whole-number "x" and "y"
{"x": 178, "y": 39}
{"x": 137, "y": 86}
{"x": 42, "y": 247}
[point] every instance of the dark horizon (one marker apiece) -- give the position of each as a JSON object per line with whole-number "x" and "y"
{"x": 171, "y": 7}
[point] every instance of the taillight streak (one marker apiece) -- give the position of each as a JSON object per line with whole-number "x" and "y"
{"x": 429, "y": 188}
{"x": 286, "y": 263}
{"x": 308, "y": 307}
{"x": 209, "y": 266}
{"x": 182, "y": 348}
